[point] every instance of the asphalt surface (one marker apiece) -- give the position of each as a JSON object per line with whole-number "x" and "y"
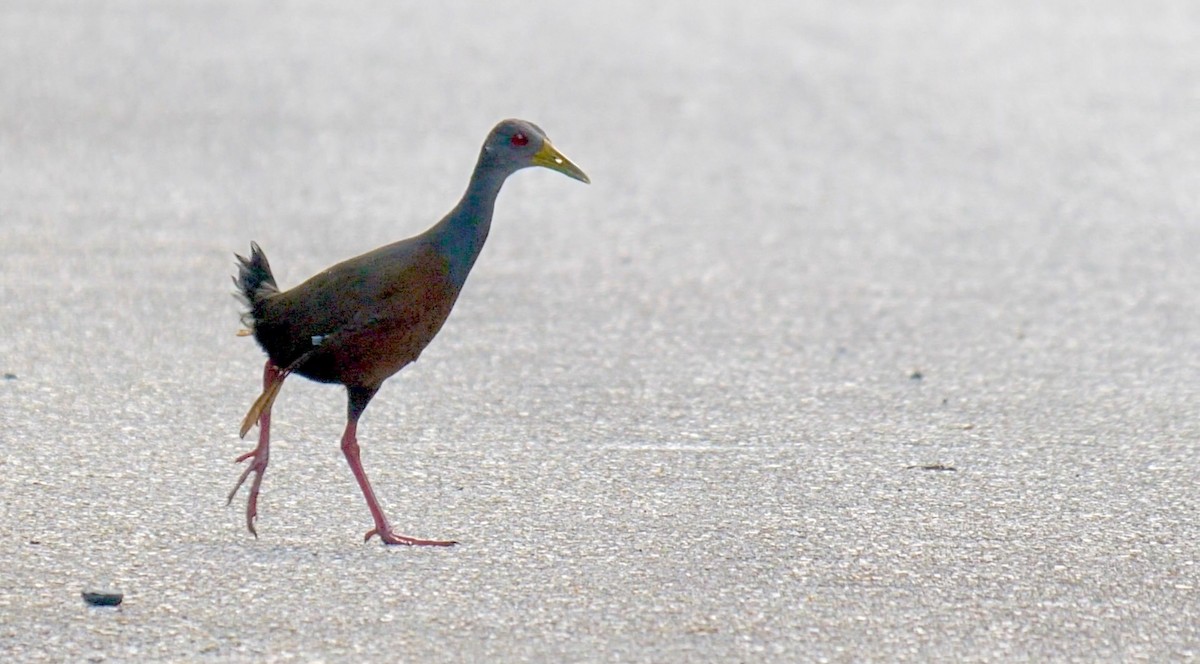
{"x": 876, "y": 336}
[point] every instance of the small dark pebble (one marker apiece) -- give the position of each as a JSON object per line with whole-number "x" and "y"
{"x": 916, "y": 375}
{"x": 10, "y": 376}
{"x": 102, "y": 599}
{"x": 932, "y": 466}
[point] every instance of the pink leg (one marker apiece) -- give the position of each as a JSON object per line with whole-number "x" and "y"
{"x": 350, "y": 449}
{"x": 261, "y": 454}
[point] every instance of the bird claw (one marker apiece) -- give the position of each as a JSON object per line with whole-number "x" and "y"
{"x": 257, "y": 466}
{"x": 389, "y": 537}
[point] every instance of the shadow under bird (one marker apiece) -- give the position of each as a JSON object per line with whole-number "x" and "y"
{"x": 362, "y": 320}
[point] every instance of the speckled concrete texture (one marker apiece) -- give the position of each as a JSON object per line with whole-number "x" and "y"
{"x": 876, "y": 336}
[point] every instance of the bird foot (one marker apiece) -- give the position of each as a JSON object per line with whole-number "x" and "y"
{"x": 258, "y": 465}
{"x": 389, "y": 537}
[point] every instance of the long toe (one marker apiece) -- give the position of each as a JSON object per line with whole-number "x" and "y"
{"x": 238, "y": 485}
{"x": 252, "y": 509}
{"x": 258, "y": 467}
{"x": 395, "y": 539}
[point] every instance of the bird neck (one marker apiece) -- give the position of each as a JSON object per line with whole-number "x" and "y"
{"x": 464, "y": 230}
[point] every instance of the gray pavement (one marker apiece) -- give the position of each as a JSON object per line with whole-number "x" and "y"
{"x": 683, "y": 414}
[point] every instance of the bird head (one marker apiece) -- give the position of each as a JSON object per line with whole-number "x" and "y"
{"x": 517, "y": 144}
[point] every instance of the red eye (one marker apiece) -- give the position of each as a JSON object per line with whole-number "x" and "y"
{"x": 520, "y": 140}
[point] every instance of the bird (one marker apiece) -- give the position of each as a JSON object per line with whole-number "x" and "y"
{"x": 361, "y": 321}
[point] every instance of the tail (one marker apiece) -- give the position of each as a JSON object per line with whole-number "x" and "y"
{"x": 254, "y": 282}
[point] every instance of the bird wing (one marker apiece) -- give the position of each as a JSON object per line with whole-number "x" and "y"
{"x": 390, "y": 297}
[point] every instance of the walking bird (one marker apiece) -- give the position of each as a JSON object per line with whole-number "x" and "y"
{"x": 361, "y": 321}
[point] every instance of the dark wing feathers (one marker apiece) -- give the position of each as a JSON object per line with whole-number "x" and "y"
{"x": 368, "y": 315}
